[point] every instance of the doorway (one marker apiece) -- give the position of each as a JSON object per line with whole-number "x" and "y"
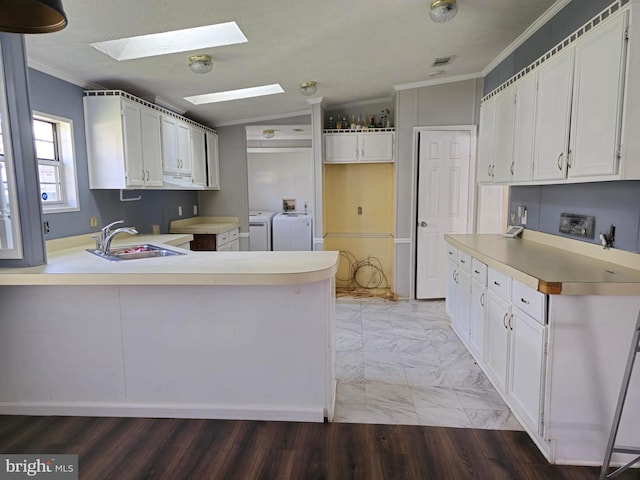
{"x": 445, "y": 194}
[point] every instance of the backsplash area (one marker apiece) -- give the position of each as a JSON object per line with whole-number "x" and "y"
{"x": 611, "y": 203}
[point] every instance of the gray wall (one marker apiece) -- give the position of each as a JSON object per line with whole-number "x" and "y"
{"x": 232, "y": 200}
{"x": 614, "y": 203}
{"x": 50, "y": 95}
{"x": 438, "y": 105}
{"x": 565, "y": 22}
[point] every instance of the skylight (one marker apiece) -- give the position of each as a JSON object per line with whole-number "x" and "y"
{"x": 188, "y": 39}
{"x": 235, "y": 94}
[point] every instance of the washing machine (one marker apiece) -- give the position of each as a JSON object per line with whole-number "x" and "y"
{"x": 292, "y": 231}
{"x": 260, "y": 230}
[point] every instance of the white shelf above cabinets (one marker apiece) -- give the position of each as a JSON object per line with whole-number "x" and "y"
{"x": 133, "y": 144}
{"x": 370, "y": 146}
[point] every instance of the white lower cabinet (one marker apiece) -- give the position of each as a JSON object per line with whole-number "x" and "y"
{"x": 498, "y": 311}
{"x": 526, "y": 367}
{"x": 458, "y": 292}
{"x": 477, "y": 318}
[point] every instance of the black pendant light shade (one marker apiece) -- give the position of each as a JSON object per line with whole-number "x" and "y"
{"x": 32, "y": 16}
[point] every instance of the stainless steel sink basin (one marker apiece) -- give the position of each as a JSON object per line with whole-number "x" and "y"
{"x": 135, "y": 252}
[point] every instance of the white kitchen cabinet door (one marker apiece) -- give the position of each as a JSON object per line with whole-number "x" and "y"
{"x": 503, "y": 135}
{"x": 176, "y": 146}
{"x": 497, "y": 353}
{"x": 553, "y": 111}
{"x": 524, "y": 131}
{"x": 213, "y": 161}
{"x": 477, "y": 316}
{"x": 132, "y": 136}
{"x": 485, "y": 141}
{"x": 375, "y": 147}
{"x": 151, "y": 147}
{"x": 526, "y": 370}
{"x": 450, "y": 296}
{"x": 341, "y": 148}
{"x": 199, "y": 157}
{"x": 597, "y": 100}
{"x": 463, "y": 304}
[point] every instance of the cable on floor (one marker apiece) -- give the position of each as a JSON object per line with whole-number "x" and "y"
{"x": 365, "y": 279}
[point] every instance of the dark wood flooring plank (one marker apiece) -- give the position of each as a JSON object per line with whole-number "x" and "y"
{"x": 176, "y": 449}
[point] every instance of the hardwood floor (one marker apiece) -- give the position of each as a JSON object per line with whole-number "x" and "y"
{"x": 175, "y": 449}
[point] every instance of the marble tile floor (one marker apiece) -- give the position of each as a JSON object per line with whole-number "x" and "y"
{"x": 401, "y": 363}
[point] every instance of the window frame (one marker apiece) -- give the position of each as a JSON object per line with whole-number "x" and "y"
{"x": 66, "y": 163}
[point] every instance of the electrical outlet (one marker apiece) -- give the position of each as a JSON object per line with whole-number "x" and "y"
{"x": 180, "y": 211}
{"x": 359, "y": 210}
{"x": 195, "y": 210}
{"x": 93, "y": 222}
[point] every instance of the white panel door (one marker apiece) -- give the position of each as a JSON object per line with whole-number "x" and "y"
{"x": 443, "y": 191}
{"x": 597, "y": 101}
{"x": 553, "y": 110}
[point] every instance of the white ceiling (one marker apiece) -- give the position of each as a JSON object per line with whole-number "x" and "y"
{"x": 357, "y": 50}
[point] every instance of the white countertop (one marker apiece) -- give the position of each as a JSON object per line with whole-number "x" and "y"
{"x": 75, "y": 266}
{"x": 551, "y": 269}
{"x": 204, "y": 225}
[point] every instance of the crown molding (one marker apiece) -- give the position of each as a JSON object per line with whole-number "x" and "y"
{"x": 524, "y": 36}
{"x": 438, "y": 81}
{"x": 63, "y": 76}
{"x": 244, "y": 121}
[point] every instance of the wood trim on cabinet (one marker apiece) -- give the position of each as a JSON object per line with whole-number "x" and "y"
{"x": 550, "y": 288}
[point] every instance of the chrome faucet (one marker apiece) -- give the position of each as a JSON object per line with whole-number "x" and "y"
{"x": 103, "y": 243}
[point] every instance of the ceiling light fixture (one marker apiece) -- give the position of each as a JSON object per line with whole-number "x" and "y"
{"x": 268, "y": 133}
{"x": 443, "y": 10}
{"x": 235, "y": 94}
{"x": 308, "y": 88}
{"x": 200, "y": 64}
{"x": 32, "y": 16}
{"x": 175, "y": 41}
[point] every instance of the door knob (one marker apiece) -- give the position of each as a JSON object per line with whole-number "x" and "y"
{"x": 423, "y": 224}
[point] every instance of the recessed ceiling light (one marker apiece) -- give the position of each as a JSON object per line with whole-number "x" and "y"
{"x": 172, "y": 42}
{"x": 235, "y": 94}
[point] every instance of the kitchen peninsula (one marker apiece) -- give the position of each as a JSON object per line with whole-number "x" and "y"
{"x": 242, "y": 335}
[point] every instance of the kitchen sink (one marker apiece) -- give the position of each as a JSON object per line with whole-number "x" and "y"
{"x": 135, "y": 252}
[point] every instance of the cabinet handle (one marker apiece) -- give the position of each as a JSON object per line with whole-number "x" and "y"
{"x": 496, "y": 284}
{"x": 512, "y": 163}
{"x": 504, "y": 320}
{"x": 493, "y": 171}
{"x": 560, "y": 158}
{"x": 510, "y": 323}
{"x": 142, "y": 175}
{"x": 525, "y": 301}
{"x": 462, "y": 261}
{"x": 482, "y": 299}
{"x": 489, "y": 170}
{"x": 477, "y": 272}
{"x": 569, "y": 159}
{"x": 450, "y": 253}
{"x": 148, "y": 175}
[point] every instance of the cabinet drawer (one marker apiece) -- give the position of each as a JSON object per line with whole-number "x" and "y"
{"x": 452, "y": 253}
{"x": 222, "y": 238}
{"x": 499, "y": 283}
{"x": 479, "y": 271}
{"x": 529, "y": 301}
{"x": 234, "y": 234}
{"x": 464, "y": 261}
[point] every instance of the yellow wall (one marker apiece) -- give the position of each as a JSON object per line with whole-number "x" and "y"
{"x": 371, "y": 187}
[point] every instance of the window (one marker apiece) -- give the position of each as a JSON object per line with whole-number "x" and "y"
{"x": 56, "y": 163}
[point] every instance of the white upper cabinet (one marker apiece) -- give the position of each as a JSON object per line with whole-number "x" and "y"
{"x": 198, "y": 151}
{"x": 597, "y": 100}
{"x": 176, "y": 146}
{"x": 213, "y": 161}
{"x": 552, "y": 120}
{"x": 524, "y": 130}
{"x": 123, "y": 144}
{"x": 485, "y": 141}
{"x": 503, "y": 135}
{"x": 370, "y": 147}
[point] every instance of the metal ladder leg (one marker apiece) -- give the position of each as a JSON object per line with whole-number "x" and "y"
{"x": 611, "y": 447}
